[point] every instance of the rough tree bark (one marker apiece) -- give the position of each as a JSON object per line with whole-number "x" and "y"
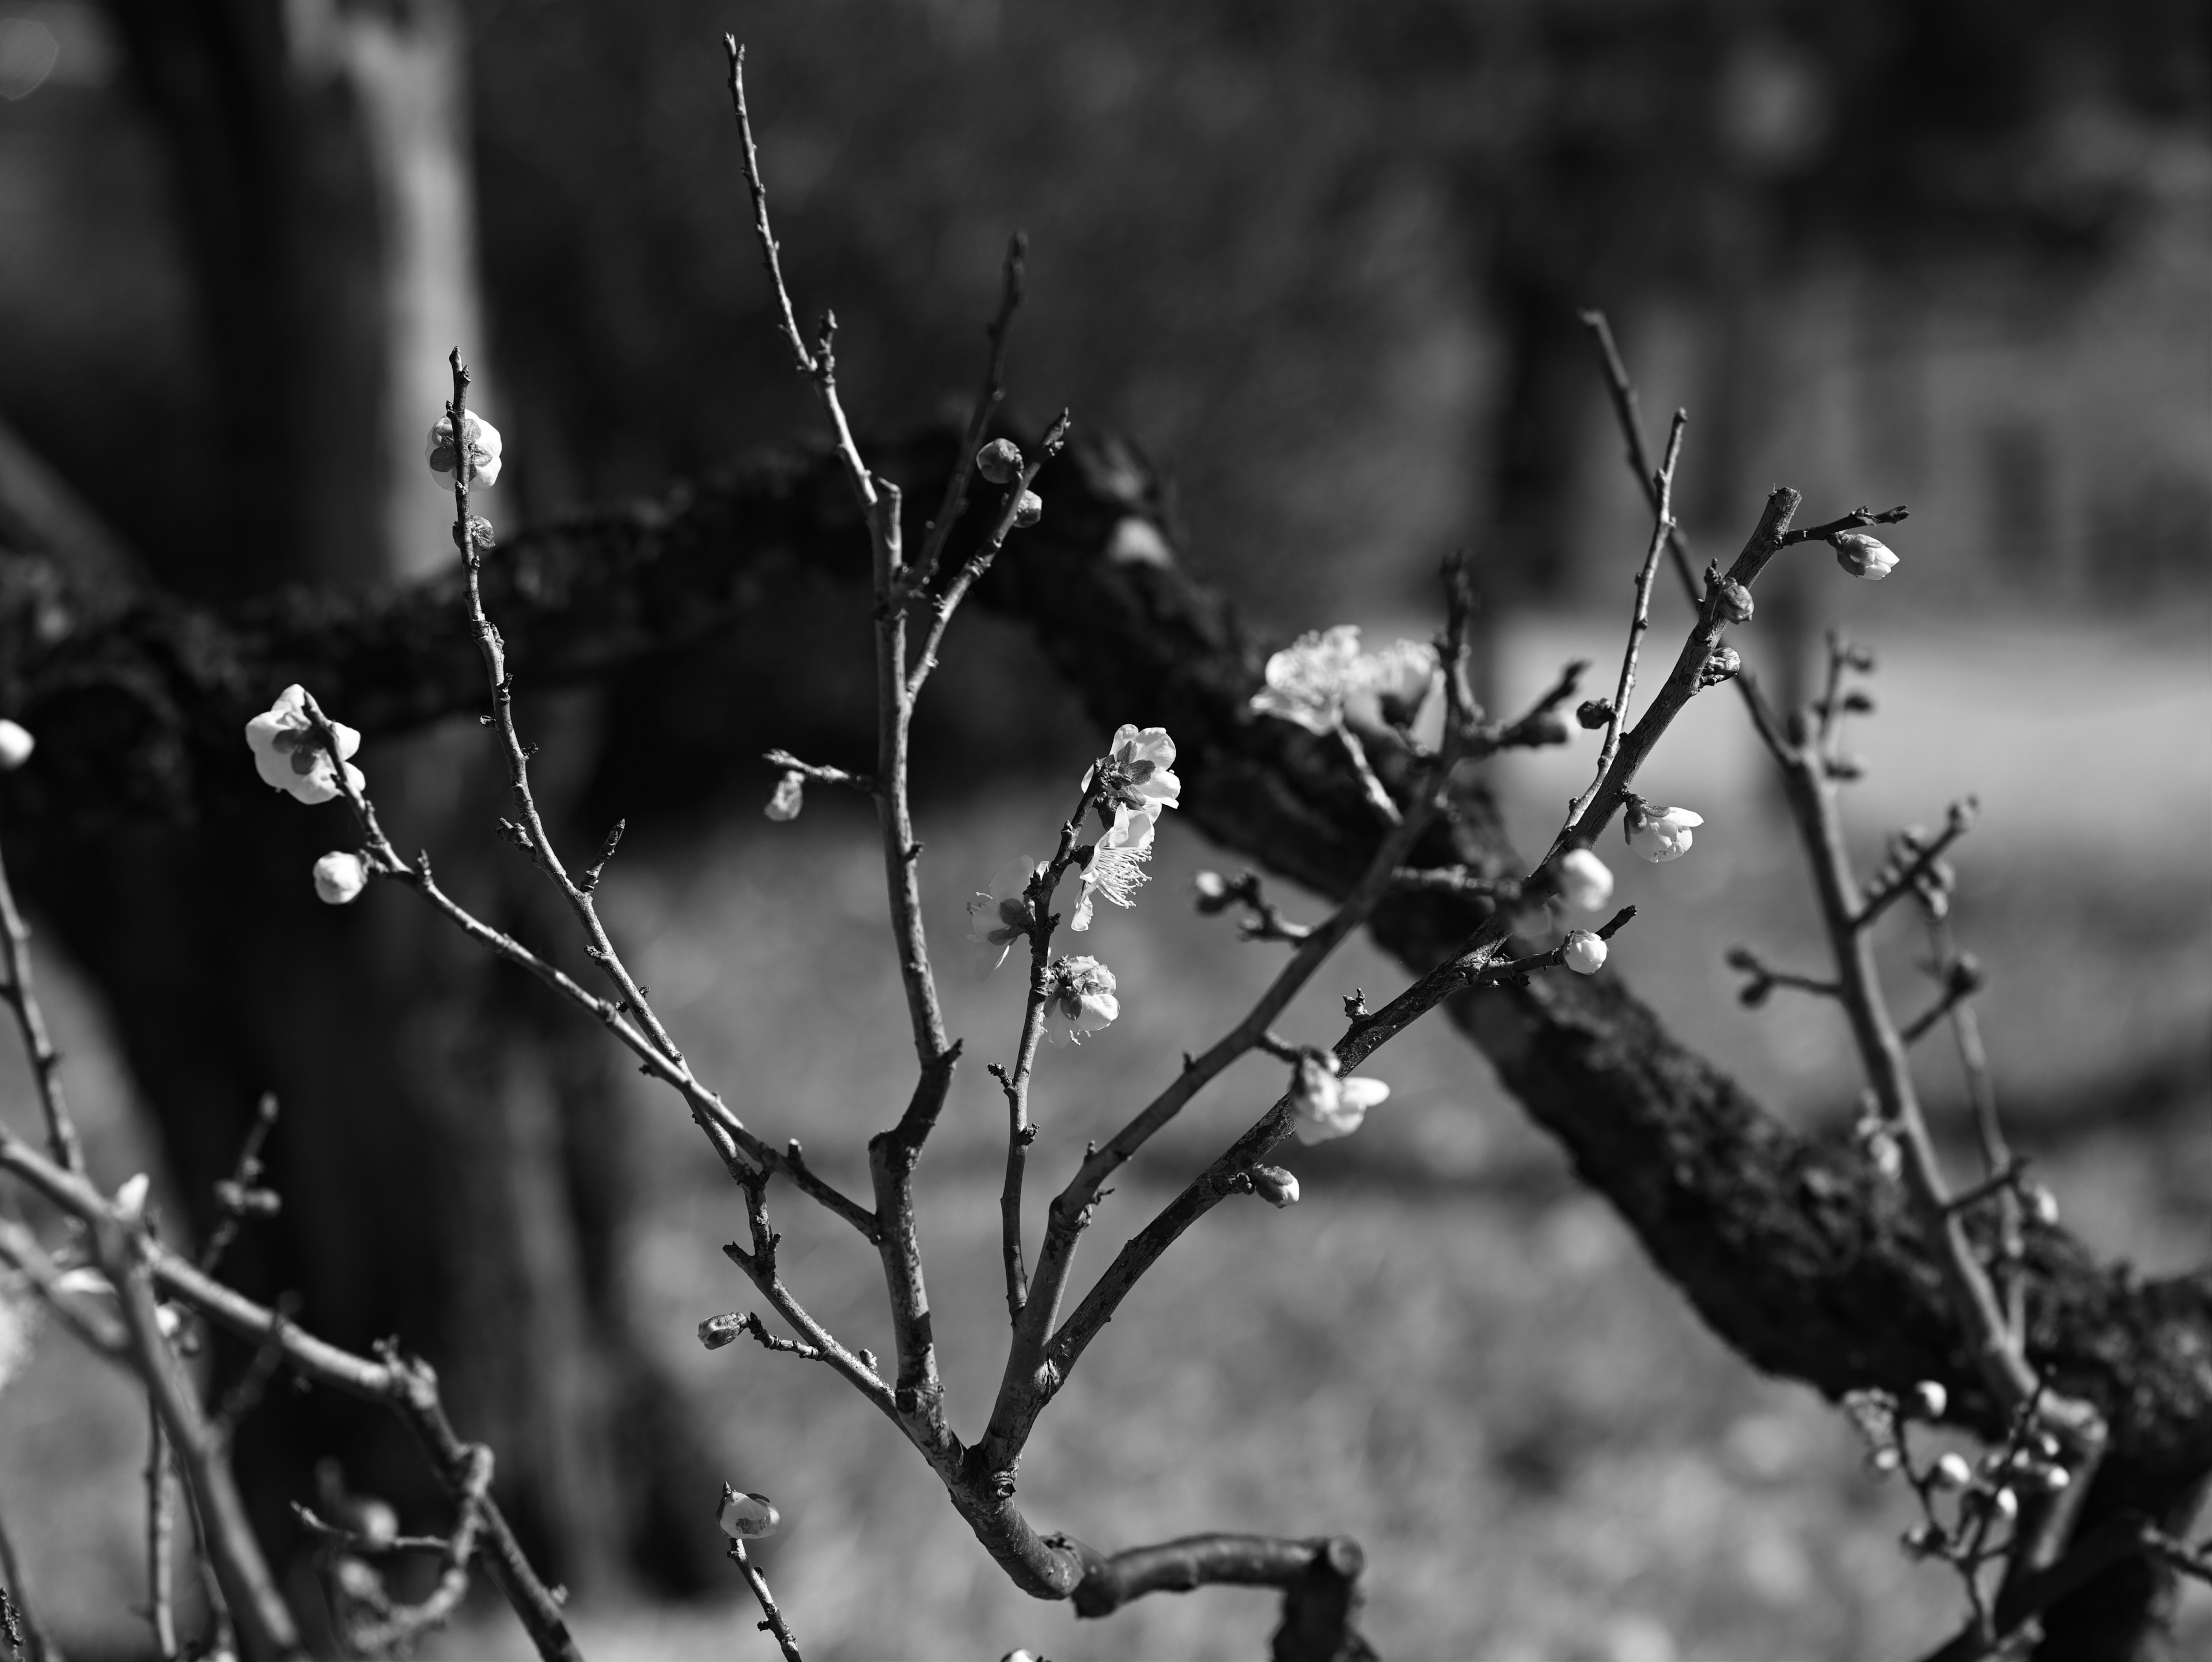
{"x": 1790, "y": 1250}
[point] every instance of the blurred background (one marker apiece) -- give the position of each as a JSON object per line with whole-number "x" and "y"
{"x": 1322, "y": 262}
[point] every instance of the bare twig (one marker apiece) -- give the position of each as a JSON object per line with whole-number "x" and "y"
{"x": 160, "y": 1530}
{"x": 22, "y": 999}
{"x": 772, "y": 1620}
{"x": 242, "y": 1194}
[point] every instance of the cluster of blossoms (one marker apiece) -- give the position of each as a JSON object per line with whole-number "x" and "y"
{"x": 1133, "y": 784}
{"x": 291, "y": 758}
{"x": 1982, "y": 1493}
{"x": 1309, "y": 681}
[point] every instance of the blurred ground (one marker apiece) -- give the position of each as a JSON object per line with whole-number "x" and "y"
{"x": 1444, "y": 1349}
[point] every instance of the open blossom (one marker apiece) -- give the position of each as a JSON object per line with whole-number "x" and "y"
{"x": 1863, "y": 556}
{"x": 1309, "y": 680}
{"x": 1079, "y": 999}
{"x": 340, "y": 876}
{"x": 789, "y": 797}
{"x": 1585, "y": 881}
{"x": 289, "y": 756}
{"x": 15, "y": 744}
{"x": 746, "y": 1517}
{"x": 1658, "y": 834}
{"x": 1585, "y": 951}
{"x": 1001, "y": 915}
{"x": 483, "y": 450}
{"x": 1399, "y": 676}
{"x": 1139, "y": 771}
{"x": 1115, "y": 867}
{"x": 1327, "y": 1105}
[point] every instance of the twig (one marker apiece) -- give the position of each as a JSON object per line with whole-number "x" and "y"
{"x": 1264, "y": 920}
{"x": 1639, "y": 619}
{"x": 397, "y": 1626}
{"x": 773, "y": 1622}
{"x": 160, "y": 1529}
{"x": 241, "y": 1196}
{"x": 820, "y": 775}
{"x": 23, "y": 998}
{"x": 1894, "y": 885}
{"x": 1630, "y": 420}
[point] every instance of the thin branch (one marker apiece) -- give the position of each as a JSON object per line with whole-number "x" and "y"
{"x": 772, "y": 1620}
{"x": 1639, "y": 619}
{"x": 23, "y": 998}
{"x": 397, "y": 1627}
{"x": 1264, "y": 919}
{"x": 160, "y": 1531}
{"x": 820, "y": 775}
{"x": 241, "y": 1196}
{"x": 1629, "y": 419}
{"x": 1893, "y": 885}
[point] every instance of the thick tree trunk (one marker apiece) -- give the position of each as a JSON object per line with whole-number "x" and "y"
{"x": 452, "y": 1172}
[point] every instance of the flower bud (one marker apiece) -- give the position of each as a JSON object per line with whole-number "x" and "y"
{"x": 1863, "y": 556}
{"x": 790, "y": 796}
{"x": 484, "y": 458}
{"x": 999, "y": 461}
{"x": 719, "y": 1330}
{"x": 1212, "y": 889}
{"x": 1658, "y": 834}
{"x": 2042, "y": 1205}
{"x": 746, "y": 1517}
{"x": 1736, "y": 603}
{"x": 1923, "y": 1541}
{"x": 2005, "y": 1504}
{"x": 1274, "y": 1185}
{"x": 1029, "y": 508}
{"x": 2052, "y": 1479}
{"x": 1593, "y": 713}
{"x": 1883, "y": 1460}
{"x": 1952, "y": 1471}
{"x": 1929, "y": 1399}
{"x": 1721, "y": 664}
{"x": 15, "y": 746}
{"x": 1585, "y": 951}
{"x": 130, "y": 1197}
{"x": 1585, "y": 881}
{"x": 340, "y": 876}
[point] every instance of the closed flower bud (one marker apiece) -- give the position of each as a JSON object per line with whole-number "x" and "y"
{"x": 340, "y": 876}
{"x": 1952, "y": 1471}
{"x": 1029, "y": 508}
{"x": 1212, "y": 889}
{"x": 719, "y": 1330}
{"x": 484, "y": 451}
{"x": 1585, "y": 881}
{"x": 999, "y": 461}
{"x": 1593, "y": 713}
{"x": 131, "y": 1198}
{"x": 746, "y": 1517}
{"x": 1584, "y": 952}
{"x": 1736, "y": 603}
{"x": 1274, "y": 1185}
{"x": 790, "y": 796}
{"x": 1863, "y": 556}
{"x": 2052, "y": 1479}
{"x": 1930, "y": 1400}
{"x": 2005, "y": 1504}
{"x": 15, "y": 746}
{"x": 1883, "y": 1460}
{"x": 2042, "y": 1206}
{"x": 1721, "y": 665}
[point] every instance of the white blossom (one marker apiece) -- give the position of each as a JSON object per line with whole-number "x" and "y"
{"x": 1327, "y": 1105}
{"x": 1585, "y": 951}
{"x": 1952, "y": 1471}
{"x": 1658, "y": 834}
{"x": 1401, "y": 676}
{"x": 131, "y": 1198}
{"x": 484, "y": 451}
{"x": 1139, "y": 771}
{"x": 1930, "y": 1400}
{"x": 1115, "y": 868}
{"x": 1585, "y": 881}
{"x": 1309, "y": 680}
{"x": 15, "y": 744}
{"x": 1275, "y": 1186}
{"x": 1079, "y": 999}
{"x": 1863, "y": 556}
{"x": 289, "y": 756}
{"x": 1001, "y": 915}
{"x": 790, "y": 796}
{"x": 747, "y": 1517}
{"x": 340, "y": 876}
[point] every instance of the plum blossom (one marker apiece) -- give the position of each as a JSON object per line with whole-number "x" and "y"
{"x": 789, "y": 797}
{"x": 1658, "y": 834}
{"x": 483, "y": 450}
{"x": 1002, "y": 915}
{"x": 1309, "y": 680}
{"x": 340, "y": 876}
{"x": 1325, "y": 1106}
{"x": 1399, "y": 676}
{"x": 1116, "y": 866}
{"x": 1863, "y": 556}
{"x": 747, "y": 1517}
{"x": 130, "y": 1197}
{"x": 15, "y": 744}
{"x": 1079, "y": 999}
{"x": 1275, "y": 1186}
{"x": 289, "y": 756}
{"x": 1585, "y": 881}
{"x": 1139, "y": 771}
{"x": 1584, "y": 952}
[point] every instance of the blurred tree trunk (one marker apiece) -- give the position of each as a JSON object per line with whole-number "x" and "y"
{"x": 450, "y": 1162}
